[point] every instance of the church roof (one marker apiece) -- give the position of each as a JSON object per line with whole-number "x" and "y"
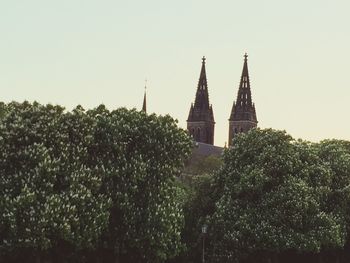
{"x": 204, "y": 149}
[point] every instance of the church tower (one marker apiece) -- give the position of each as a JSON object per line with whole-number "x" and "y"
{"x": 243, "y": 116}
{"x": 200, "y": 122}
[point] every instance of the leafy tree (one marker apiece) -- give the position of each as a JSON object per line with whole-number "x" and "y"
{"x": 200, "y": 165}
{"x": 141, "y": 156}
{"x": 199, "y": 202}
{"x": 49, "y": 198}
{"x": 2, "y": 110}
{"x": 336, "y": 155}
{"x": 273, "y": 194}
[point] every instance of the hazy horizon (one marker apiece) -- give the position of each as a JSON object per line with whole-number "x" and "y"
{"x": 92, "y": 52}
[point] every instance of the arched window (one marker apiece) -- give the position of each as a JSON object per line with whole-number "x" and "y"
{"x": 236, "y": 131}
{"x": 241, "y": 129}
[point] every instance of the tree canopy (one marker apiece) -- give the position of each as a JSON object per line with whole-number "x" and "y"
{"x": 278, "y": 195}
{"x": 89, "y": 180}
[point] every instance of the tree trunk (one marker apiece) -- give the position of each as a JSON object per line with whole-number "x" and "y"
{"x": 38, "y": 258}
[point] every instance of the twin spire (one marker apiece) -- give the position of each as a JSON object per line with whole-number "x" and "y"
{"x": 200, "y": 122}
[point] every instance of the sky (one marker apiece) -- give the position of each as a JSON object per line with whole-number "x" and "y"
{"x": 88, "y": 52}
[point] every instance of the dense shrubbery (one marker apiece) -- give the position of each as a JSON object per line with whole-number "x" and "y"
{"x": 89, "y": 185}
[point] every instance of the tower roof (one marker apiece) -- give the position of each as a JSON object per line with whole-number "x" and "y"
{"x": 243, "y": 108}
{"x": 201, "y": 110}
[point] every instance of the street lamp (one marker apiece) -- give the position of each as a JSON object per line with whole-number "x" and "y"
{"x": 204, "y": 232}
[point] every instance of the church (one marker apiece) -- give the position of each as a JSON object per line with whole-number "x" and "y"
{"x": 201, "y": 123}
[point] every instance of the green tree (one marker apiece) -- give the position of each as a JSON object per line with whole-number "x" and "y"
{"x": 2, "y": 110}
{"x": 200, "y": 165}
{"x": 198, "y": 202}
{"x": 49, "y": 198}
{"x": 141, "y": 155}
{"x": 273, "y": 191}
{"x": 336, "y": 155}
{"x": 72, "y": 179}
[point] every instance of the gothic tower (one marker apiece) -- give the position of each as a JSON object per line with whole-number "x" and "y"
{"x": 200, "y": 122}
{"x": 243, "y": 116}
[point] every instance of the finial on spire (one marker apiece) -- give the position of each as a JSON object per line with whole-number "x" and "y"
{"x": 245, "y": 56}
{"x": 203, "y": 59}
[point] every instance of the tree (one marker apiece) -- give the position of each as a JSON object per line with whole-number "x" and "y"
{"x": 49, "y": 197}
{"x": 336, "y": 155}
{"x": 200, "y": 165}
{"x": 70, "y": 180}
{"x": 141, "y": 156}
{"x": 273, "y": 191}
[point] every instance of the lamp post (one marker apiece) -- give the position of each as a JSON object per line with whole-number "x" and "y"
{"x": 204, "y": 232}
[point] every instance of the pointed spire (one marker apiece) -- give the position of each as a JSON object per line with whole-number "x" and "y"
{"x": 243, "y": 115}
{"x": 201, "y": 109}
{"x": 144, "y": 106}
{"x": 200, "y": 122}
{"x": 202, "y": 95}
{"x": 244, "y": 96}
{"x": 202, "y": 83}
{"x": 243, "y": 103}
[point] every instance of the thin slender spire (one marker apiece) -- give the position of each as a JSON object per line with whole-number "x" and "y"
{"x": 144, "y": 105}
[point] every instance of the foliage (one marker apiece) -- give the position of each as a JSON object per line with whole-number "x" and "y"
{"x": 198, "y": 205}
{"x": 141, "y": 155}
{"x": 48, "y": 194}
{"x": 199, "y": 165}
{"x": 274, "y": 194}
{"x": 74, "y": 181}
{"x": 199, "y": 202}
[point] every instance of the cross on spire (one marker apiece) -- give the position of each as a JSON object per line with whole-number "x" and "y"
{"x": 245, "y": 56}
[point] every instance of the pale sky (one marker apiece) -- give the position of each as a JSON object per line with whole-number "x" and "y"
{"x": 86, "y": 52}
